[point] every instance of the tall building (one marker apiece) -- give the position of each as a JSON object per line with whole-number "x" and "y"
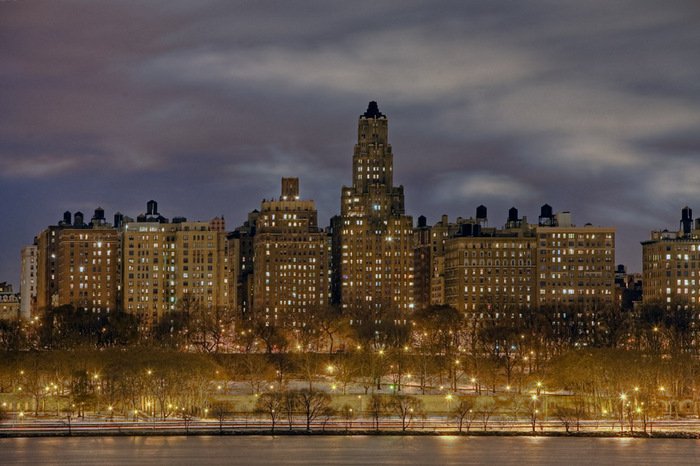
{"x": 550, "y": 264}
{"x": 422, "y": 264}
{"x": 78, "y": 264}
{"x": 28, "y": 284}
{"x": 150, "y": 275}
{"x": 164, "y": 262}
{"x": 241, "y": 251}
{"x": 575, "y": 265}
{"x": 292, "y": 259}
{"x": 671, "y": 263}
{"x": 373, "y": 237}
{"x": 484, "y": 266}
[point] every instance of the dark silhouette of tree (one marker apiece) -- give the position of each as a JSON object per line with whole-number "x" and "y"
{"x": 271, "y": 404}
{"x": 330, "y": 322}
{"x": 68, "y": 327}
{"x": 12, "y": 335}
{"x": 376, "y": 408}
{"x": 221, "y": 410}
{"x": 464, "y": 413}
{"x": 170, "y": 331}
{"x": 312, "y": 404}
{"x": 406, "y": 407}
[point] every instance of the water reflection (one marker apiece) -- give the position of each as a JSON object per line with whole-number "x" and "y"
{"x": 345, "y": 450}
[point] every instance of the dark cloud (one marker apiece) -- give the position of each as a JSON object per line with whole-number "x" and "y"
{"x": 591, "y": 107}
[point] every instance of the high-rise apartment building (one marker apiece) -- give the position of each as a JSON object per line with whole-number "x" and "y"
{"x": 575, "y": 265}
{"x": 78, "y": 264}
{"x": 28, "y": 284}
{"x": 150, "y": 275}
{"x": 373, "y": 237}
{"x": 144, "y": 267}
{"x": 422, "y": 264}
{"x": 671, "y": 264}
{"x": 521, "y": 265}
{"x": 292, "y": 259}
{"x": 485, "y": 267}
{"x": 164, "y": 262}
{"x": 241, "y": 252}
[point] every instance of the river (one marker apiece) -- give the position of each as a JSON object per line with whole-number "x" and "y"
{"x": 340, "y": 450}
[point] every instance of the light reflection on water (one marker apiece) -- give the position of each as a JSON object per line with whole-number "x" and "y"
{"x": 340, "y": 450}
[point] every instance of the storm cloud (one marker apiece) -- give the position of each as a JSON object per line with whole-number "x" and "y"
{"x": 592, "y": 107}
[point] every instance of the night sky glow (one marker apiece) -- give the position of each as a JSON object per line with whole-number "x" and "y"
{"x": 592, "y": 107}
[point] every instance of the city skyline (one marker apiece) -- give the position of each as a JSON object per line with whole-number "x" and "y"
{"x": 203, "y": 108}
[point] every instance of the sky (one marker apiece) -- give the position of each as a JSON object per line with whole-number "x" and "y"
{"x": 592, "y": 107}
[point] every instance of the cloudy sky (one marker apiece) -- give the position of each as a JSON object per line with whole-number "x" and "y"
{"x": 592, "y": 107}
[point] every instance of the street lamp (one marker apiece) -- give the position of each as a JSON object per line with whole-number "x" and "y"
{"x": 535, "y": 412}
{"x": 623, "y": 398}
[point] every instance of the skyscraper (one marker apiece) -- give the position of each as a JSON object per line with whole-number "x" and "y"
{"x": 373, "y": 236}
{"x": 291, "y": 259}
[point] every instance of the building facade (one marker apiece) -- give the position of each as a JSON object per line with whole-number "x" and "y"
{"x": 671, "y": 264}
{"x": 372, "y": 236}
{"x": 9, "y": 302}
{"x": 144, "y": 267}
{"x": 28, "y": 285}
{"x": 78, "y": 264}
{"x": 292, "y": 259}
{"x": 552, "y": 263}
{"x": 164, "y": 262}
{"x": 241, "y": 251}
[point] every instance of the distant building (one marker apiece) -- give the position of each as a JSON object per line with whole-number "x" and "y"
{"x": 241, "y": 250}
{"x": 422, "y": 264}
{"x": 144, "y": 267}
{"x": 78, "y": 264}
{"x": 217, "y": 224}
{"x": 28, "y": 285}
{"x": 575, "y": 265}
{"x": 522, "y": 265}
{"x": 628, "y": 288}
{"x": 373, "y": 237}
{"x": 671, "y": 263}
{"x": 429, "y": 259}
{"x": 164, "y": 262}
{"x": 487, "y": 267}
{"x": 9, "y": 302}
{"x": 292, "y": 259}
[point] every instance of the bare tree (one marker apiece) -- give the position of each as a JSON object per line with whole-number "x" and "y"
{"x": 376, "y": 408}
{"x": 290, "y": 406}
{"x": 312, "y": 403}
{"x": 566, "y": 416}
{"x": 464, "y": 413}
{"x": 348, "y": 415}
{"x": 406, "y": 407}
{"x": 221, "y": 410}
{"x": 272, "y": 405}
{"x": 486, "y": 410}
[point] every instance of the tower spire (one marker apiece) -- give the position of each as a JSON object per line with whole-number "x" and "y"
{"x": 373, "y": 111}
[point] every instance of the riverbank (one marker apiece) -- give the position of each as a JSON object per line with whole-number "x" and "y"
{"x": 131, "y": 431}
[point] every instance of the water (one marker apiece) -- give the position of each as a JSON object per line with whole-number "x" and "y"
{"x": 339, "y": 450}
